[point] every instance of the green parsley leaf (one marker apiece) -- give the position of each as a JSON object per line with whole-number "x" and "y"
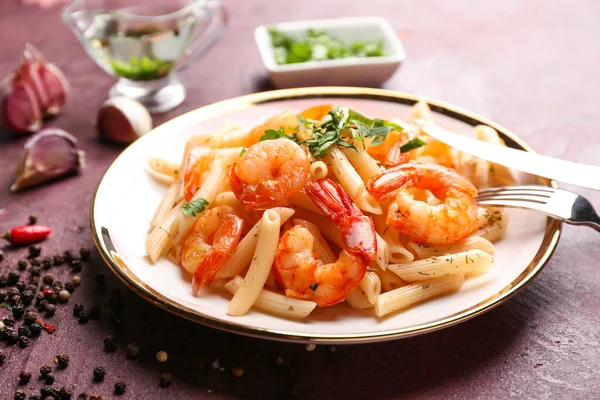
{"x": 314, "y": 286}
{"x": 242, "y": 151}
{"x": 276, "y": 134}
{"x": 413, "y": 144}
{"x": 194, "y": 207}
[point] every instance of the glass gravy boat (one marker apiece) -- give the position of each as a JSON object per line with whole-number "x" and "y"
{"x": 145, "y": 42}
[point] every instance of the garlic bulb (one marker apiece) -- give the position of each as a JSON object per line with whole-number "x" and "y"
{"x": 50, "y": 154}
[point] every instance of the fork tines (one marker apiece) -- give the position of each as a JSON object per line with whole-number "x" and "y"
{"x": 535, "y": 194}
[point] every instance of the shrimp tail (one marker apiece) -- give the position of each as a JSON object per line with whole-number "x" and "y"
{"x": 358, "y": 230}
{"x": 384, "y": 185}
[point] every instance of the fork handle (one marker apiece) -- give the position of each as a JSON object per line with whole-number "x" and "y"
{"x": 591, "y": 224}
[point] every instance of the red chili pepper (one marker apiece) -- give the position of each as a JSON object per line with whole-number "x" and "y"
{"x": 47, "y": 292}
{"x": 48, "y": 328}
{"x": 26, "y": 234}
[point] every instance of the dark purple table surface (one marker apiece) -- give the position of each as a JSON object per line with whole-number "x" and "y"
{"x": 531, "y": 66}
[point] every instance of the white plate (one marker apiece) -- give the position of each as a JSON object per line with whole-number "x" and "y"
{"x": 127, "y": 196}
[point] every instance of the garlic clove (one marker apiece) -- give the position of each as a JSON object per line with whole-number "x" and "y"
{"x": 50, "y": 154}
{"x": 51, "y": 84}
{"x": 19, "y": 107}
{"x": 123, "y": 120}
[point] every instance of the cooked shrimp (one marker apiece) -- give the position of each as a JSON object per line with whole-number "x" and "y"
{"x": 269, "y": 173}
{"x": 210, "y": 243}
{"x": 444, "y": 223}
{"x": 358, "y": 230}
{"x": 303, "y": 275}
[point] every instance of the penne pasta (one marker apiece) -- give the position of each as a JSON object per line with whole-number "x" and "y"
{"x": 415, "y": 293}
{"x": 499, "y": 174}
{"x": 242, "y": 255}
{"x": 398, "y": 254}
{"x": 358, "y": 299}
{"x": 164, "y": 167}
{"x": 472, "y": 261}
{"x": 318, "y": 170}
{"x": 370, "y": 285}
{"x": 365, "y": 165}
{"x": 275, "y": 303}
{"x": 226, "y": 199}
{"x": 492, "y": 223}
{"x": 254, "y": 281}
{"x": 168, "y": 202}
{"x": 423, "y": 251}
{"x": 301, "y": 199}
{"x": 345, "y": 172}
{"x": 422, "y": 111}
{"x": 366, "y": 202}
{"x": 382, "y": 256}
{"x": 389, "y": 280}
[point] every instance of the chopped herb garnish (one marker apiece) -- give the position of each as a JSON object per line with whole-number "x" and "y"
{"x": 276, "y": 134}
{"x": 411, "y": 145}
{"x": 314, "y": 286}
{"x": 242, "y": 151}
{"x": 318, "y": 46}
{"x": 194, "y": 207}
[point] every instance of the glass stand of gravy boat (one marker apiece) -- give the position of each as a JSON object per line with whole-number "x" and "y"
{"x": 144, "y": 43}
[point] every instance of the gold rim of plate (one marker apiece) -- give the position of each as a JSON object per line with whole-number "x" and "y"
{"x": 120, "y": 269}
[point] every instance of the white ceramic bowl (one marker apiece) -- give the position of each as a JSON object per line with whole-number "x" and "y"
{"x": 355, "y": 71}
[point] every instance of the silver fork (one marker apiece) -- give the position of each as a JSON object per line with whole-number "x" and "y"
{"x": 557, "y": 203}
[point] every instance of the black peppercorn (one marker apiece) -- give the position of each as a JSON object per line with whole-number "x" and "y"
{"x": 36, "y": 329}
{"x": 2, "y": 297}
{"x": 57, "y": 286}
{"x": 13, "y": 277}
{"x": 47, "y": 262}
{"x": 2, "y": 356}
{"x": 84, "y": 316}
{"x": 49, "y": 379}
{"x": 120, "y": 388}
{"x": 18, "y": 310}
{"x": 62, "y": 360}
{"x": 25, "y": 377}
{"x": 34, "y": 251}
{"x": 48, "y": 279}
{"x": 76, "y": 265}
{"x": 45, "y": 370}
{"x": 46, "y": 392}
{"x": 11, "y": 337}
{"x": 41, "y": 306}
{"x": 21, "y": 286}
{"x": 32, "y": 287}
{"x": 27, "y": 296}
{"x": 12, "y": 292}
{"x": 95, "y": 312}
{"x": 35, "y": 271}
{"x": 22, "y": 264}
{"x": 15, "y": 299}
{"x": 34, "y": 397}
{"x": 23, "y": 341}
{"x": 8, "y": 321}
{"x": 132, "y": 350}
{"x": 68, "y": 255}
{"x": 20, "y": 395}
{"x": 50, "y": 310}
{"x": 84, "y": 253}
{"x": 24, "y": 330}
{"x": 1, "y": 256}
{"x": 57, "y": 259}
{"x": 32, "y": 219}
{"x": 70, "y": 287}
{"x": 35, "y": 262}
{"x": 165, "y": 380}
{"x": 3, "y": 280}
{"x": 53, "y": 298}
{"x": 99, "y": 374}
{"x": 109, "y": 344}
{"x": 30, "y": 316}
{"x": 65, "y": 394}
{"x": 77, "y": 308}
